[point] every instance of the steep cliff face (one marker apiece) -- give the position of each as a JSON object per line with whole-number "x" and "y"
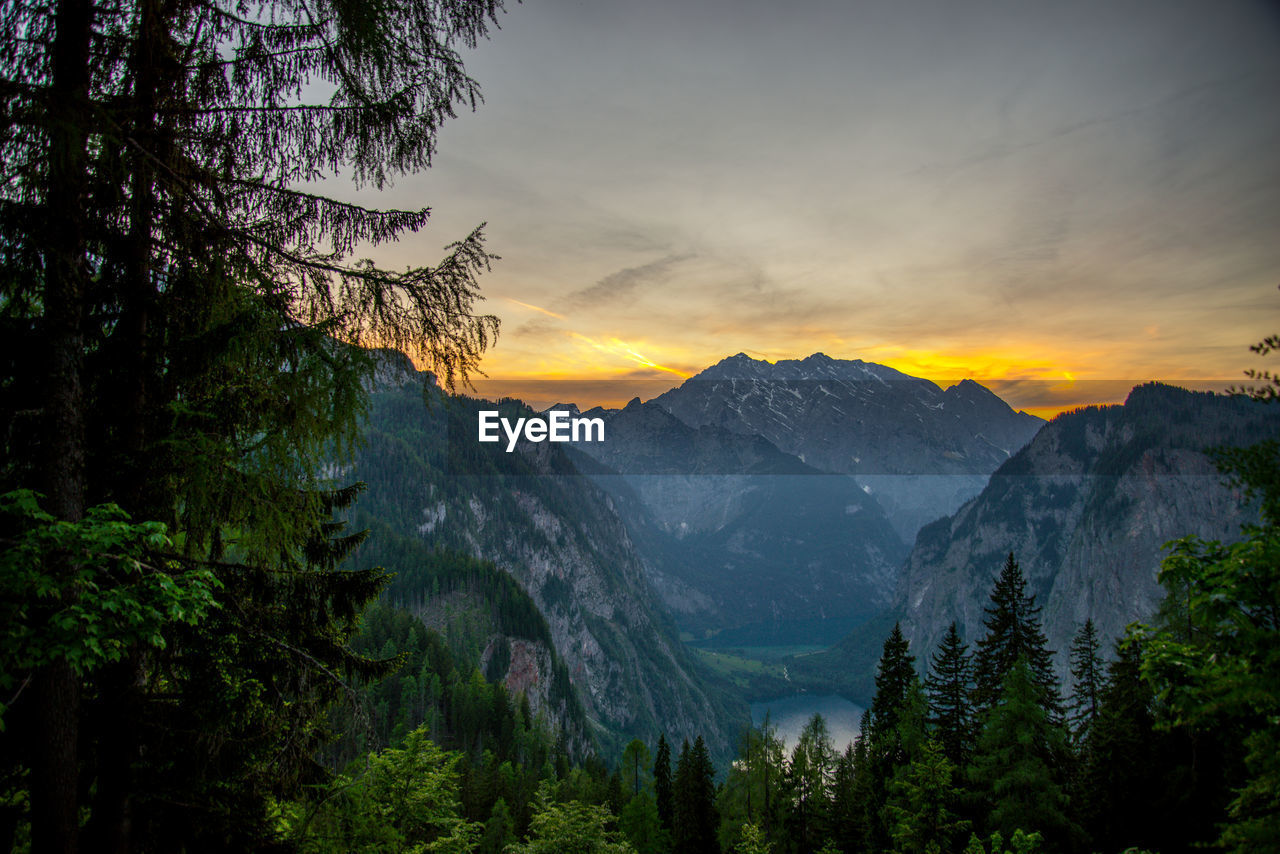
{"x": 1086, "y": 507}
{"x": 561, "y": 538}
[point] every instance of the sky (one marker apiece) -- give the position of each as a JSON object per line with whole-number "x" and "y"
{"x": 1056, "y": 199}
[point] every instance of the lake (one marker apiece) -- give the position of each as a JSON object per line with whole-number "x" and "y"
{"x": 789, "y": 714}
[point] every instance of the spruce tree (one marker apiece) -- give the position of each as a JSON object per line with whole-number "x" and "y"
{"x": 810, "y": 774}
{"x": 695, "y": 808}
{"x": 1013, "y": 632}
{"x": 1117, "y": 791}
{"x": 894, "y": 723}
{"x": 949, "y": 686}
{"x": 1018, "y": 764}
{"x": 921, "y": 806}
{"x": 846, "y": 805}
{"x": 1088, "y": 680}
{"x": 895, "y": 674}
{"x": 663, "y": 789}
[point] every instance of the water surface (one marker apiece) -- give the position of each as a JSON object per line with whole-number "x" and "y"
{"x": 790, "y": 713}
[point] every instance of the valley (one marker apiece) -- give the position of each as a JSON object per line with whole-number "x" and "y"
{"x": 703, "y": 539}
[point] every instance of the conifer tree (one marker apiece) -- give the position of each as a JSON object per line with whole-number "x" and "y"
{"x": 169, "y": 276}
{"x": 895, "y": 674}
{"x": 846, "y": 803}
{"x": 695, "y": 808}
{"x": 1119, "y": 786}
{"x": 663, "y": 789}
{"x": 921, "y": 805}
{"x": 752, "y": 791}
{"x": 1017, "y": 764}
{"x": 809, "y": 776}
{"x": 1089, "y": 678}
{"x": 1013, "y": 632}
{"x": 949, "y": 686}
{"x": 635, "y": 764}
{"x": 894, "y": 724}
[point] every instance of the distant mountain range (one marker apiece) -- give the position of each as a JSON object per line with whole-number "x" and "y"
{"x": 783, "y": 501}
{"x": 789, "y": 492}
{"x": 1086, "y": 508}
{"x": 920, "y": 449}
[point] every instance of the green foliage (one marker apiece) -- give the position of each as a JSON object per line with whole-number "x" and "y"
{"x": 641, "y": 826}
{"x": 1089, "y": 680}
{"x": 751, "y": 840}
{"x": 1019, "y": 762}
{"x": 921, "y": 803}
{"x": 1013, "y": 632}
{"x": 663, "y": 785}
{"x": 127, "y": 590}
{"x": 755, "y": 789}
{"x": 949, "y": 686}
{"x": 635, "y": 766}
{"x": 694, "y": 795}
{"x": 406, "y": 799}
{"x": 1020, "y": 842}
{"x": 1216, "y": 657}
{"x": 499, "y": 830}
{"x": 571, "y": 828}
{"x": 809, "y": 779}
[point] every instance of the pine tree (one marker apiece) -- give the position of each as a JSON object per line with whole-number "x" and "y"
{"x": 1013, "y": 632}
{"x": 663, "y": 789}
{"x": 921, "y": 804}
{"x": 1089, "y": 678}
{"x": 695, "y": 808}
{"x": 895, "y": 674}
{"x": 949, "y": 686}
{"x": 810, "y": 775}
{"x": 167, "y": 276}
{"x": 1017, "y": 764}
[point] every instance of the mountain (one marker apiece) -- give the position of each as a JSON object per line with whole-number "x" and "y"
{"x": 920, "y": 449}
{"x": 739, "y": 533}
{"x": 559, "y": 535}
{"x": 1086, "y": 508}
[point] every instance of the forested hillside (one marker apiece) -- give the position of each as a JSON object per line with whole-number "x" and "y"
{"x": 534, "y": 516}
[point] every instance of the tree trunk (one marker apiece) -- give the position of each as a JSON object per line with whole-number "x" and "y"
{"x": 56, "y": 688}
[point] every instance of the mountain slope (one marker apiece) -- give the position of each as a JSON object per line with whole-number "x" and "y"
{"x": 921, "y": 450}
{"x": 559, "y": 535}
{"x": 1087, "y": 508}
{"x": 740, "y": 533}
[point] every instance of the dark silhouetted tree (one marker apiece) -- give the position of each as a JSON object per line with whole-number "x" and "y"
{"x": 949, "y": 686}
{"x": 1013, "y": 632}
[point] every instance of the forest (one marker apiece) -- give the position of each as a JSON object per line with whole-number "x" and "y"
{"x": 188, "y": 660}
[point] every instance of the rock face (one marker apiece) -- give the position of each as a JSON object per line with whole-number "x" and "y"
{"x": 738, "y": 532}
{"x": 921, "y": 450}
{"x": 560, "y": 536}
{"x": 1086, "y": 508}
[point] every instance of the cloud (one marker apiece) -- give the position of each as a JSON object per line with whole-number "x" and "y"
{"x": 621, "y": 284}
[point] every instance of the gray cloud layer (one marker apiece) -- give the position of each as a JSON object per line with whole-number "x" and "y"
{"x": 730, "y": 175}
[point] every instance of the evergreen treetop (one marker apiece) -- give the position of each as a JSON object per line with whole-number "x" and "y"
{"x": 949, "y": 686}
{"x": 1013, "y": 632}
